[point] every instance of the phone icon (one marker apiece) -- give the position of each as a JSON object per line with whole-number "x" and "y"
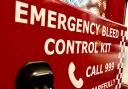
{"x": 78, "y": 83}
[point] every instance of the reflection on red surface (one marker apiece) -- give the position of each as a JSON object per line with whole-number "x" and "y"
{"x": 110, "y": 9}
{"x": 116, "y": 10}
{"x": 97, "y": 7}
{"x": 124, "y": 86}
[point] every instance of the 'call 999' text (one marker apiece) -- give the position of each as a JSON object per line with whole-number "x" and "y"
{"x": 99, "y": 69}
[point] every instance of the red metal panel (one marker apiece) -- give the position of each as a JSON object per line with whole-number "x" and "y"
{"x": 116, "y": 10}
{"x": 23, "y": 42}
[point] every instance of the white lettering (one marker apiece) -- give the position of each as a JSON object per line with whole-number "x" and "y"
{"x": 51, "y": 19}
{"x": 61, "y": 21}
{"x": 57, "y": 47}
{"x": 46, "y": 46}
{"x": 20, "y": 12}
{"x": 39, "y": 17}
{"x": 71, "y": 25}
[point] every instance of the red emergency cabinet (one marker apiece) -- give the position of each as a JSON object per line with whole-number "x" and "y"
{"x": 49, "y": 44}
